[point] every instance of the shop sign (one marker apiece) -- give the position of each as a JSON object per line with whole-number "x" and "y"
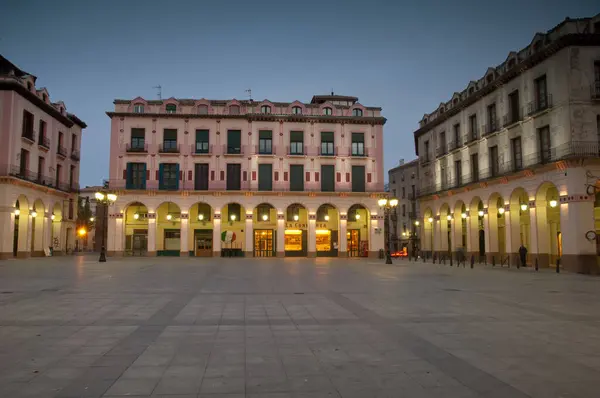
{"x": 295, "y": 225}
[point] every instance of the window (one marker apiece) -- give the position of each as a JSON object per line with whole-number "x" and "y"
{"x": 358, "y": 144}
{"x": 138, "y": 139}
{"x": 44, "y": 97}
{"x": 541, "y": 94}
{"x": 517, "y": 154}
{"x": 473, "y": 127}
{"x": 442, "y": 142}
{"x": 426, "y": 154}
{"x": 291, "y": 212}
{"x": 171, "y": 108}
{"x": 234, "y": 110}
{"x": 403, "y": 193}
{"x": 492, "y": 122}
{"x": 265, "y": 177}
{"x": 327, "y": 143}
{"x": 168, "y": 176}
{"x": 412, "y": 191}
{"x": 138, "y": 108}
{"x": 358, "y": 178}
{"x": 403, "y": 210}
{"x": 42, "y": 132}
{"x": 73, "y": 142}
{"x": 458, "y": 172}
{"x": 234, "y": 141}
{"x": 327, "y": 178}
{"x": 475, "y": 167}
{"x": 234, "y": 181}
{"x": 263, "y": 210}
{"x": 544, "y": 140}
{"x": 357, "y": 112}
{"x": 296, "y": 177}
{"x": 27, "y": 131}
{"x": 170, "y": 140}
{"x": 24, "y": 162}
{"x": 136, "y": 176}
{"x": 201, "y": 177}
{"x": 29, "y": 86}
{"x": 58, "y": 174}
{"x": 72, "y": 177}
{"x": 40, "y": 170}
{"x": 494, "y": 165}
{"x": 202, "y": 137}
{"x": 471, "y": 90}
{"x": 234, "y": 209}
{"x": 327, "y": 111}
{"x": 265, "y": 109}
{"x": 296, "y": 143}
{"x": 513, "y": 107}
{"x": 265, "y": 142}
{"x": 202, "y": 109}
{"x": 456, "y": 129}
{"x": 60, "y": 148}
{"x": 444, "y": 174}
{"x": 296, "y": 110}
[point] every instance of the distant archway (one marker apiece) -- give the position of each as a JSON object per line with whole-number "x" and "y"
{"x": 357, "y": 235}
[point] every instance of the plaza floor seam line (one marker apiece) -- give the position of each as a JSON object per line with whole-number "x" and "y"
{"x": 459, "y": 369}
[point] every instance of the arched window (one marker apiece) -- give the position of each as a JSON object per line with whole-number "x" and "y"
{"x": 29, "y": 86}
{"x": 425, "y": 120}
{"x": 327, "y": 111}
{"x": 490, "y": 77}
{"x": 471, "y": 90}
{"x": 138, "y": 108}
{"x": 455, "y": 101}
{"x": 171, "y": 108}
{"x": 265, "y": 109}
{"x": 441, "y": 110}
{"x": 296, "y": 110}
{"x": 234, "y": 110}
{"x": 511, "y": 63}
{"x": 202, "y": 109}
{"x": 357, "y": 112}
{"x": 45, "y": 97}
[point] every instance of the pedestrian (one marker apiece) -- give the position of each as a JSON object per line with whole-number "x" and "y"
{"x": 523, "y": 255}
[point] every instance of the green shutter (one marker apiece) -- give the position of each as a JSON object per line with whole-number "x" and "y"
{"x": 296, "y": 136}
{"x": 177, "y": 176}
{"x": 358, "y": 137}
{"x": 138, "y": 133}
{"x": 201, "y": 135}
{"x": 265, "y": 177}
{"x": 129, "y": 174}
{"x": 265, "y": 134}
{"x": 234, "y": 138}
{"x": 358, "y": 178}
{"x": 144, "y": 177}
{"x": 170, "y": 134}
{"x": 296, "y": 177}
{"x": 327, "y": 178}
{"x": 326, "y": 136}
{"x": 161, "y": 169}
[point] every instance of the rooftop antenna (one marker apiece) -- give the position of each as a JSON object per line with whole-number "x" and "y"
{"x": 159, "y": 91}
{"x": 332, "y": 91}
{"x": 249, "y": 92}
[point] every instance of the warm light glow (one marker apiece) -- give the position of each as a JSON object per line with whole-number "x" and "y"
{"x": 52, "y": 217}
{"x": 403, "y": 233}
{"x": 322, "y": 232}
{"x": 326, "y": 217}
{"x": 357, "y": 216}
{"x": 523, "y": 207}
{"x": 136, "y": 216}
{"x": 82, "y": 232}
{"x": 394, "y": 202}
{"x": 169, "y": 217}
{"x": 501, "y": 210}
{"x": 295, "y": 217}
{"x": 17, "y": 212}
{"x": 293, "y": 232}
{"x": 553, "y": 203}
{"x": 200, "y": 217}
{"x": 265, "y": 217}
{"x": 417, "y": 223}
{"x": 34, "y": 213}
{"x": 92, "y": 219}
{"x": 382, "y": 202}
{"x": 430, "y": 219}
{"x": 464, "y": 215}
{"x": 480, "y": 212}
{"x": 232, "y": 217}
{"x": 99, "y": 196}
{"x": 112, "y": 197}
{"x": 449, "y": 217}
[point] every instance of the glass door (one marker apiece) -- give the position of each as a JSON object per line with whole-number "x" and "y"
{"x": 263, "y": 243}
{"x": 203, "y": 243}
{"x": 353, "y": 236}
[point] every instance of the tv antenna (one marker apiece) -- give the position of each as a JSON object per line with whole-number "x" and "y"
{"x": 249, "y": 92}
{"x": 159, "y": 91}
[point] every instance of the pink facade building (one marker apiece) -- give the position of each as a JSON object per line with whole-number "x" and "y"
{"x": 228, "y": 177}
{"x": 39, "y": 168}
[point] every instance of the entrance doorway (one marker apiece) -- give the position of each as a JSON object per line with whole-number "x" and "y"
{"x": 203, "y": 243}
{"x": 295, "y": 243}
{"x": 263, "y": 243}
{"x": 356, "y": 247}
{"x": 139, "y": 242}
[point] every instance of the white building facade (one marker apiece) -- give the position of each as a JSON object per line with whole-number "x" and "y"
{"x": 513, "y": 160}
{"x": 404, "y": 183}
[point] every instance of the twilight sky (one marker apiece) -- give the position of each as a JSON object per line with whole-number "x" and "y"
{"x": 404, "y": 57}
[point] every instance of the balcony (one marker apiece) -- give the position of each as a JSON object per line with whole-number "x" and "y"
{"x": 75, "y": 156}
{"x": 472, "y": 136}
{"x": 296, "y": 150}
{"x": 44, "y": 142}
{"x": 137, "y": 148}
{"x": 61, "y": 151}
{"x": 424, "y": 160}
{"x": 29, "y": 135}
{"x": 166, "y": 148}
{"x": 595, "y": 91}
{"x": 327, "y": 151}
{"x": 265, "y": 150}
{"x": 441, "y": 151}
{"x": 452, "y": 145}
{"x": 358, "y": 152}
{"x": 491, "y": 127}
{"x": 512, "y": 118}
{"x": 201, "y": 148}
{"x": 28, "y": 175}
{"x": 232, "y": 150}
{"x": 539, "y": 104}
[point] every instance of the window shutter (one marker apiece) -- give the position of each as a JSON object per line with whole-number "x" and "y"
{"x": 308, "y": 176}
{"x": 129, "y": 180}
{"x": 157, "y": 176}
{"x": 146, "y": 173}
{"x": 222, "y": 175}
{"x": 177, "y": 173}
{"x": 285, "y": 176}
{"x": 339, "y": 177}
{"x": 181, "y": 176}
{"x": 212, "y": 175}
{"x": 296, "y": 136}
{"x": 125, "y": 171}
{"x": 358, "y": 137}
{"x": 161, "y": 169}
{"x": 347, "y": 177}
{"x": 368, "y": 177}
{"x": 276, "y": 176}
{"x": 254, "y": 176}
{"x": 245, "y": 176}
{"x": 190, "y": 175}
{"x": 201, "y": 135}
{"x": 265, "y": 134}
{"x": 316, "y": 176}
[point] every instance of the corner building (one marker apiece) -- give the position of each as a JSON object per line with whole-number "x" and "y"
{"x": 246, "y": 178}
{"x": 514, "y": 158}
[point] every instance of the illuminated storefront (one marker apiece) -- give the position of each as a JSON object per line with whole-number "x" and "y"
{"x": 265, "y": 233}
{"x": 358, "y": 231}
{"x": 326, "y": 233}
{"x": 295, "y": 235}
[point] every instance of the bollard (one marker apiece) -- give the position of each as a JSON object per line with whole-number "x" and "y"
{"x": 472, "y": 261}
{"x": 493, "y": 261}
{"x": 558, "y": 265}
{"x": 536, "y": 265}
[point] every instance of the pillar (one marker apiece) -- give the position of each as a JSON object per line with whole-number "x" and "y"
{"x": 217, "y": 235}
{"x": 111, "y": 244}
{"x": 532, "y": 250}
{"x": 151, "y": 234}
{"x": 376, "y": 236}
{"x": 312, "y": 243}
{"x": 24, "y": 244}
{"x": 183, "y": 241}
{"x": 47, "y": 238}
{"x": 249, "y": 234}
{"x": 343, "y": 240}
{"x": 437, "y": 233}
{"x": 471, "y": 247}
{"x": 280, "y": 235}
{"x": 486, "y": 232}
{"x": 576, "y": 219}
{"x": 37, "y": 225}
{"x": 509, "y": 248}
{"x": 119, "y": 234}
{"x": 7, "y": 225}
{"x": 543, "y": 233}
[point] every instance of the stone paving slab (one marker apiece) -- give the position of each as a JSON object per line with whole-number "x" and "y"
{"x": 300, "y": 328}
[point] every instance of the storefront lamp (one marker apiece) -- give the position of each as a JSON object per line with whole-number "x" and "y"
{"x": 136, "y": 216}
{"x": 501, "y": 210}
{"x": 200, "y": 217}
{"x": 357, "y": 216}
{"x": 326, "y": 217}
{"x": 52, "y": 217}
{"x": 265, "y": 217}
{"x": 417, "y": 223}
{"x": 430, "y": 219}
{"x": 17, "y": 212}
{"x": 449, "y": 217}
{"x": 99, "y": 196}
{"x": 382, "y": 202}
{"x": 169, "y": 217}
{"x": 92, "y": 219}
{"x": 553, "y": 203}
{"x": 464, "y": 215}
{"x": 232, "y": 217}
{"x": 403, "y": 233}
{"x": 111, "y": 197}
{"x": 296, "y": 217}
{"x": 480, "y": 213}
{"x": 34, "y": 214}
{"x": 393, "y": 202}
{"x": 523, "y": 207}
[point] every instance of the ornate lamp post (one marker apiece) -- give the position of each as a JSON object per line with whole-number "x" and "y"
{"x": 387, "y": 206}
{"x": 107, "y": 199}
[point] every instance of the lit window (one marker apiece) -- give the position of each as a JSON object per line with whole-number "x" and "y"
{"x": 171, "y": 108}
{"x": 202, "y": 110}
{"x": 296, "y": 110}
{"x": 138, "y": 108}
{"x": 265, "y": 109}
{"x": 234, "y": 110}
{"x": 327, "y": 111}
{"x": 357, "y": 112}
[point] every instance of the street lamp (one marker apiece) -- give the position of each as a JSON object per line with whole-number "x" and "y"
{"x": 107, "y": 199}
{"x": 387, "y": 206}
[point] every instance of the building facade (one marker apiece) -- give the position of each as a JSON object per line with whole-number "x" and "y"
{"x": 404, "y": 182}
{"x": 39, "y": 168}
{"x": 228, "y": 177}
{"x": 513, "y": 160}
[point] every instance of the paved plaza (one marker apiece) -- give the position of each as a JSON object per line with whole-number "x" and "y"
{"x": 294, "y": 328}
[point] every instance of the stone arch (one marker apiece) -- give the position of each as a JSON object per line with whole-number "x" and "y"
{"x": 296, "y": 230}
{"x": 497, "y": 228}
{"x": 200, "y": 230}
{"x": 168, "y": 229}
{"x": 520, "y": 222}
{"x": 547, "y": 208}
{"x": 135, "y": 222}
{"x": 233, "y": 228}
{"x": 57, "y": 237}
{"x": 327, "y": 237}
{"x": 476, "y": 222}
{"x": 358, "y": 228}
{"x": 445, "y": 229}
{"x": 460, "y": 229}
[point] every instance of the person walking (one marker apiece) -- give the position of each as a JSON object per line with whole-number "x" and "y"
{"x": 523, "y": 255}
